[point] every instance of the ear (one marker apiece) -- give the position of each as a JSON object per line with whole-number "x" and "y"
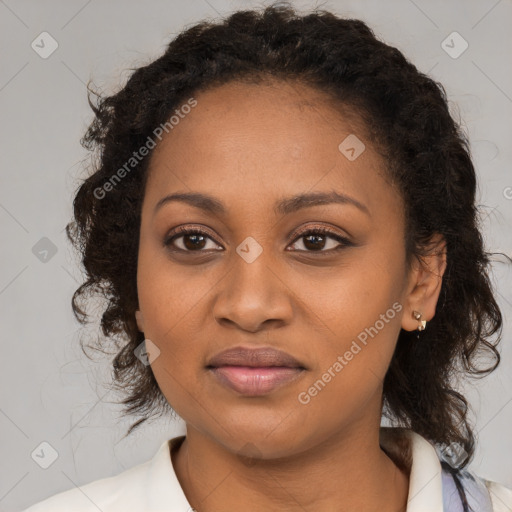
{"x": 425, "y": 280}
{"x": 140, "y": 320}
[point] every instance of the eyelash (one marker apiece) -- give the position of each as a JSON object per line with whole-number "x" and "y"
{"x": 184, "y": 231}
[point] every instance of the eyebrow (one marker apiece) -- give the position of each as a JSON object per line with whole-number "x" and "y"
{"x": 282, "y": 206}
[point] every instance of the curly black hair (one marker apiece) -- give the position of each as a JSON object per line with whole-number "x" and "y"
{"x": 407, "y": 119}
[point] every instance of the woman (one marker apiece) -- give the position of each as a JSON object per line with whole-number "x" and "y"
{"x": 283, "y": 221}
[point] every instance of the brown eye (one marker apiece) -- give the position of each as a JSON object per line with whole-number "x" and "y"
{"x": 193, "y": 240}
{"x": 316, "y": 240}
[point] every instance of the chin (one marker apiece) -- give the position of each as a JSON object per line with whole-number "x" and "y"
{"x": 260, "y": 436}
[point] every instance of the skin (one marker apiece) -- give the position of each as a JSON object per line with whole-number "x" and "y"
{"x": 249, "y": 146}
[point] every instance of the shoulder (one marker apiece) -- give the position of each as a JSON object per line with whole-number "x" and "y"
{"x": 434, "y": 484}
{"x": 150, "y": 486}
{"x": 107, "y": 494}
{"x": 482, "y": 495}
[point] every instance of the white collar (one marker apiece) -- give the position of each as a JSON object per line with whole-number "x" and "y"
{"x": 425, "y": 478}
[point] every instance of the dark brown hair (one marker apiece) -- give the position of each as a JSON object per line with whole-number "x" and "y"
{"x": 406, "y": 116}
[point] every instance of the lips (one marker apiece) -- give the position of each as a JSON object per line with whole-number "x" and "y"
{"x": 261, "y": 357}
{"x": 254, "y": 372}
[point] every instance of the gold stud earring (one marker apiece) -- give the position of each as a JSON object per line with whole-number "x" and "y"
{"x": 422, "y": 323}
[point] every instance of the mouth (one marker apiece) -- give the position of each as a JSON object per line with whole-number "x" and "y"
{"x": 254, "y": 372}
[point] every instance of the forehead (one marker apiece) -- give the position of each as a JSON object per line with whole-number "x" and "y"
{"x": 260, "y": 117}
{"x": 243, "y": 140}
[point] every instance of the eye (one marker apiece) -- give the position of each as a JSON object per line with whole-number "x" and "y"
{"x": 314, "y": 240}
{"x": 193, "y": 240}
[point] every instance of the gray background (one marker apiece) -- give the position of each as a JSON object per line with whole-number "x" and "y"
{"x": 49, "y": 390}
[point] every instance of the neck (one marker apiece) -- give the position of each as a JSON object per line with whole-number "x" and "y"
{"x": 347, "y": 472}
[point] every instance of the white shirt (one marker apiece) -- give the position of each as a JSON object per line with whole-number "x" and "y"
{"x": 154, "y": 487}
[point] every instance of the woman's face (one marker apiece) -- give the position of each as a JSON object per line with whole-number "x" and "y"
{"x": 254, "y": 278}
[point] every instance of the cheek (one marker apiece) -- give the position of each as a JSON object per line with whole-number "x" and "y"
{"x": 169, "y": 294}
{"x": 170, "y": 318}
{"x": 345, "y": 300}
{"x": 351, "y": 368}
{"x": 357, "y": 313}
{"x": 170, "y": 302}
{"x": 177, "y": 369}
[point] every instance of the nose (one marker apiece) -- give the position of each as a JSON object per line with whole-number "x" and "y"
{"x": 253, "y": 295}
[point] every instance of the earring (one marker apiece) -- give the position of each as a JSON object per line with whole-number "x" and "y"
{"x": 422, "y": 323}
